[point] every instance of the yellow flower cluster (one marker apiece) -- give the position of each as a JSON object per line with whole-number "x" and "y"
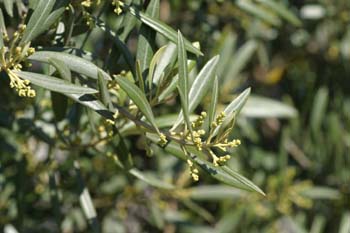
{"x": 163, "y": 141}
{"x": 218, "y": 121}
{"x": 226, "y": 144}
{"x": 86, "y": 3}
{"x": 196, "y": 138}
{"x": 199, "y": 121}
{"x": 10, "y": 58}
{"x": 118, "y": 4}
{"x": 193, "y": 171}
{"x": 21, "y": 86}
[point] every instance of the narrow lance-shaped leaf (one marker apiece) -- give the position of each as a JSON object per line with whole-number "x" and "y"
{"x": 214, "y": 192}
{"x": 139, "y": 99}
{"x": 167, "y": 57}
{"x": 156, "y": 59}
{"x": 119, "y": 44}
{"x": 242, "y": 57}
{"x": 150, "y": 179}
{"x": 200, "y": 86}
{"x": 59, "y": 101}
{"x": 174, "y": 80}
{"x": 9, "y": 7}
{"x": 102, "y": 86}
{"x": 75, "y": 63}
{"x": 85, "y": 199}
{"x": 282, "y": 10}
{"x": 140, "y": 80}
{"x": 258, "y": 12}
{"x": 226, "y": 176}
{"x": 163, "y": 121}
{"x": 52, "y": 18}
{"x": 262, "y": 107}
{"x": 54, "y": 84}
{"x": 2, "y": 29}
{"x": 128, "y": 21}
{"x": 62, "y": 68}
{"x": 234, "y": 107}
{"x": 146, "y": 39}
{"x": 213, "y": 103}
{"x": 183, "y": 80}
{"x": 36, "y": 21}
{"x": 162, "y": 28}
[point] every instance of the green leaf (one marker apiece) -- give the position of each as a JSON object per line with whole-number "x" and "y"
{"x": 262, "y": 107}
{"x": 162, "y": 28}
{"x": 226, "y": 50}
{"x": 52, "y": 18}
{"x": 119, "y": 44}
{"x": 85, "y": 200}
{"x": 214, "y": 193}
{"x": 146, "y": 39}
{"x": 2, "y": 29}
{"x": 75, "y": 63}
{"x": 282, "y": 10}
{"x": 319, "y": 109}
{"x": 344, "y": 226}
{"x": 234, "y": 108}
{"x": 9, "y": 7}
{"x": 62, "y": 68}
{"x": 319, "y": 192}
{"x": 167, "y": 58}
{"x": 151, "y": 180}
{"x": 258, "y": 12}
{"x": 174, "y": 81}
{"x": 122, "y": 151}
{"x": 128, "y": 21}
{"x": 241, "y": 58}
{"x": 140, "y": 80}
{"x": 245, "y": 183}
{"x": 102, "y": 87}
{"x": 59, "y": 105}
{"x": 213, "y": 103}
{"x": 318, "y": 224}
{"x": 36, "y": 22}
{"x": 138, "y": 97}
{"x": 200, "y": 86}
{"x": 237, "y": 104}
{"x": 156, "y": 59}
{"x": 162, "y": 122}
{"x": 54, "y": 84}
{"x": 183, "y": 79}
{"x": 223, "y": 174}
{"x": 59, "y": 101}
{"x": 91, "y": 102}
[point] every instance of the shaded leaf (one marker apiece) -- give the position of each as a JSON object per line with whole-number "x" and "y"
{"x": 214, "y": 192}
{"x": 138, "y": 97}
{"x": 150, "y": 179}
{"x": 102, "y": 87}
{"x": 282, "y": 10}
{"x": 146, "y": 38}
{"x": 162, "y": 28}
{"x": 258, "y": 12}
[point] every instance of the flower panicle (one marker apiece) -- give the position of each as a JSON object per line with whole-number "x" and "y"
{"x": 12, "y": 54}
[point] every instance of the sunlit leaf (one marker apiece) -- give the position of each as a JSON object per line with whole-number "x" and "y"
{"x": 54, "y": 84}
